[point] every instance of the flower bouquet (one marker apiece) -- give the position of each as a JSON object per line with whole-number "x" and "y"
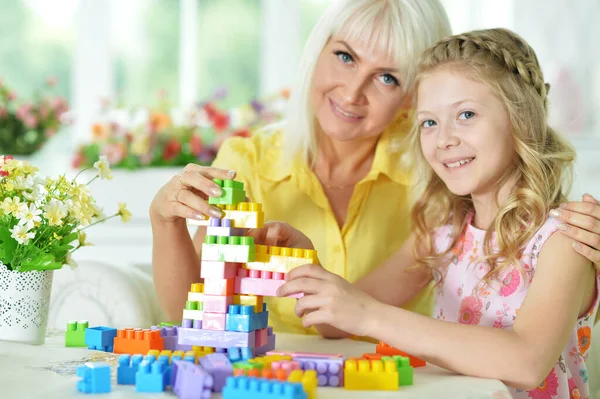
{"x": 42, "y": 222}
{"x": 26, "y": 125}
{"x": 163, "y": 136}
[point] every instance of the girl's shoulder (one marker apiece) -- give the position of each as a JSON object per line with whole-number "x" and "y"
{"x": 540, "y": 237}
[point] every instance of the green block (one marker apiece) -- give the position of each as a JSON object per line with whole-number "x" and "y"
{"x": 230, "y": 196}
{"x": 169, "y": 324}
{"x": 247, "y": 366}
{"x": 405, "y": 370}
{"x": 75, "y": 334}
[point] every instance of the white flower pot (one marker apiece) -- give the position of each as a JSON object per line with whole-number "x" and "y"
{"x": 24, "y": 302}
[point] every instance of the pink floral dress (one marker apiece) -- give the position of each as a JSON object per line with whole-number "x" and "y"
{"x": 461, "y": 299}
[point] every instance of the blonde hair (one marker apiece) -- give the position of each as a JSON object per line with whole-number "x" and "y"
{"x": 402, "y": 29}
{"x": 509, "y": 67}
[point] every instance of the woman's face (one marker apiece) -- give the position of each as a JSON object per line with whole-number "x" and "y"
{"x": 356, "y": 90}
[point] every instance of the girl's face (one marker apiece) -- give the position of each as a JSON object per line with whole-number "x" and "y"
{"x": 356, "y": 91}
{"x": 465, "y": 132}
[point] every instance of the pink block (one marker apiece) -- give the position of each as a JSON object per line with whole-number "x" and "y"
{"x": 259, "y": 286}
{"x": 219, "y": 270}
{"x": 217, "y": 303}
{"x": 213, "y": 321}
{"x": 261, "y": 337}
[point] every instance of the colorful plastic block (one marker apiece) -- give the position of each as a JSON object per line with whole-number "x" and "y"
{"x": 190, "y": 381}
{"x": 214, "y": 321}
{"x": 245, "y": 215}
{"x": 238, "y": 354}
{"x": 233, "y": 192}
{"x": 405, "y": 370}
{"x": 219, "y": 286}
{"x": 330, "y": 371}
{"x": 283, "y": 260}
{"x": 95, "y": 378}
{"x": 213, "y": 338}
{"x": 196, "y": 292}
{"x": 261, "y": 337}
{"x": 252, "y": 300}
{"x": 100, "y": 338}
{"x": 75, "y": 334}
{"x": 219, "y": 366}
{"x": 228, "y": 249}
{"x": 138, "y": 341}
{"x": 212, "y": 269}
{"x": 243, "y": 318}
{"x": 259, "y": 282}
{"x": 169, "y": 336}
{"x": 127, "y": 368}
{"x": 250, "y": 387}
{"x": 150, "y": 376}
{"x": 363, "y": 374}
{"x": 308, "y": 379}
{"x": 217, "y": 303}
{"x": 387, "y": 350}
{"x": 270, "y": 343}
{"x": 307, "y": 355}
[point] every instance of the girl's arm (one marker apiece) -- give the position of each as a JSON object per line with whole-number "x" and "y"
{"x": 561, "y": 290}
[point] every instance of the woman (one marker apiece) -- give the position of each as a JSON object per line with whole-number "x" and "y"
{"x": 331, "y": 169}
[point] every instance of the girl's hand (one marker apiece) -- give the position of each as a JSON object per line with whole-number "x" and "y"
{"x": 185, "y": 195}
{"x": 280, "y": 234}
{"x": 329, "y": 299}
{"x": 581, "y": 221}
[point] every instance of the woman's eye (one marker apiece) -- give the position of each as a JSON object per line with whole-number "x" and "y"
{"x": 344, "y": 56}
{"x": 389, "y": 80}
{"x": 428, "y": 123}
{"x": 466, "y": 115}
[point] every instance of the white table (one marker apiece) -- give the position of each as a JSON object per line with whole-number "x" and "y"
{"x": 48, "y": 371}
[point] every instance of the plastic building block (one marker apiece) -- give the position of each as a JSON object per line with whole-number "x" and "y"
{"x": 261, "y": 336}
{"x": 270, "y": 343}
{"x": 138, "y": 341}
{"x": 217, "y": 303}
{"x": 329, "y": 370}
{"x": 219, "y": 286}
{"x": 238, "y": 354}
{"x": 405, "y": 370}
{"x": 387, "y": 350}
{"x": 214, "y": 321}
{"x": 259, "y": 282}
{"x": 307, "y": 355}
{"x": 150, "y": 376}
{"x": 213, "y": 338}
{"x": 364, "y": 374}
{"x": 219, "y": 270}
{"x": 195, "y": 293}
{"x": 75, "y": 334}
{"x": 219, "y": 366}
{"x": 243, "y": 318}
{"x": 95, "y": 378}
{"x": 283, "y": 260}
{"x": 228, "y": 249}
{"x": 193, "y": 314}
{"x": 169, "y": 336}
{"x": 252, "y": 300}
{"x": 254, "y": 388}
{"x": 246, "y": 215}
{"x": 190, "y": 381}
{"x": 262, "y": 254}
{"x": 127, "y": 368}
{"x": 233, "y": 192}
{"x": 308, "y": 379}
{"x": 100, "y": 338}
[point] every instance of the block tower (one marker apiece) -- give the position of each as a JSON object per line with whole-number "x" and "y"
{"x": 227, "y": 311}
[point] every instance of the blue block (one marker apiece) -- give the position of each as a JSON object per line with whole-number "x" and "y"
{"x": 239, "y": 354}
{"x": 150, "y": 376}
{"x": 128, "y": 367}
{"x": 95, "y": 378}
{"x": 259, "y": 388}
{"x": 100, "y": 338}
{"x": 243, "y": 319}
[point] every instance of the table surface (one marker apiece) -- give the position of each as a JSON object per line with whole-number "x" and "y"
{"x": 48, "y": 372}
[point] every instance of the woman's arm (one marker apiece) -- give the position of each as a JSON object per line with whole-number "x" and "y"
{"x": 521, "y": 357}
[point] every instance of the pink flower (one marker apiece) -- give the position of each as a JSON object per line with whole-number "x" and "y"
{"x": 3, "y": 112}
{"x": 573, "y": 390}
{"x": 464, "y": 245}
{"x": 30, "y": 121}
{"x": 498, "y": 324}
{"x": 470, "y": 310}
{"x": 23, "y": 111}
{"x": 11, "y": 96}
{"x": 115, "y": 153}
{"x": 459, "y": 291}
{"x": 51, "y": 81}
{"x": 547, "y": 389}
{"x": 510, "y": 283}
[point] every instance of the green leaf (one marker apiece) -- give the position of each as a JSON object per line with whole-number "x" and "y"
{"x": 41, "y": 262}
{"x": 70, "y": 238}
{"x": 7, "y": 245}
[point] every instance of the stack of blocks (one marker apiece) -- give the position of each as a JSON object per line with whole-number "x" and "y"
{"x": 227, "y": 311}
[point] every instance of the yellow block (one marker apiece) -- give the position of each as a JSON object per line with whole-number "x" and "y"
{"x": 308, "y": 379}
{"x": 370, "y": 375}
{"x": 249, "y": 300}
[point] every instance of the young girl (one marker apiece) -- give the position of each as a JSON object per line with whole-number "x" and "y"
{"x": 492, "y": 171}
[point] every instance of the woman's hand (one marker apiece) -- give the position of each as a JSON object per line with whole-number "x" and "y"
{"x": 185, "y": 195}
{"x": 581, "y": 221}
{"x": 329, "y": 299}
{"x": 280, "y": 234}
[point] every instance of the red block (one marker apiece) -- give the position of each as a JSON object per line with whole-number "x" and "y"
{"x": 261, "y": 337}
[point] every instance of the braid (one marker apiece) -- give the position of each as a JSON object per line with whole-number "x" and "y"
{"x": 497, "y": 45}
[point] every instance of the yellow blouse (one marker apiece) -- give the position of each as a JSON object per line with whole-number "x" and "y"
{"x": 378, "y": 219}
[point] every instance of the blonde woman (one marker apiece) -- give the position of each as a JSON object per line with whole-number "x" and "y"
{"x": 520, "y": 302}
{"x": 331, "y": 169}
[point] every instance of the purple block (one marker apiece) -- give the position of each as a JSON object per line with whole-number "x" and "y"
{"x": 219, "y": 366}
{"x": 169, "y": 335}
{"x": 190, "y": 381}
{"x": 330, "y": 372}
{"x": 215, "y": 338}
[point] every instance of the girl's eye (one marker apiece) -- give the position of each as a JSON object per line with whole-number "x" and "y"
{"x": 389, "y": 80}
{"x": 466, "y": 115}
{"x": 428, "y": 123}
{"x": 344, "y": 56}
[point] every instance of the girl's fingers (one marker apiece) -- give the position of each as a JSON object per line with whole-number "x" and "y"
{"x": 308, "y": 303}
{"x": 314, "y": 318}
{"x": 312, "y": 271}
{"x": 305, "y": 285}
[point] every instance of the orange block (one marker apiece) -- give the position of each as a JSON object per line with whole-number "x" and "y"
{"x": 372, "y": 356}
{"x": 137, "y": 341}
{"x": 387, "y": 350}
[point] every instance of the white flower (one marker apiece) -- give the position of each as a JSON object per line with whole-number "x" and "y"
{"x": 21, "y": 234}
{"x": 71, "y": 262}
{"x": 56, "y": 211}
{"x": 29, "y": 216}
{"x": 103, "y": 168}
{"x": 37, "y": 194}
{"x": 23, "y": 183}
